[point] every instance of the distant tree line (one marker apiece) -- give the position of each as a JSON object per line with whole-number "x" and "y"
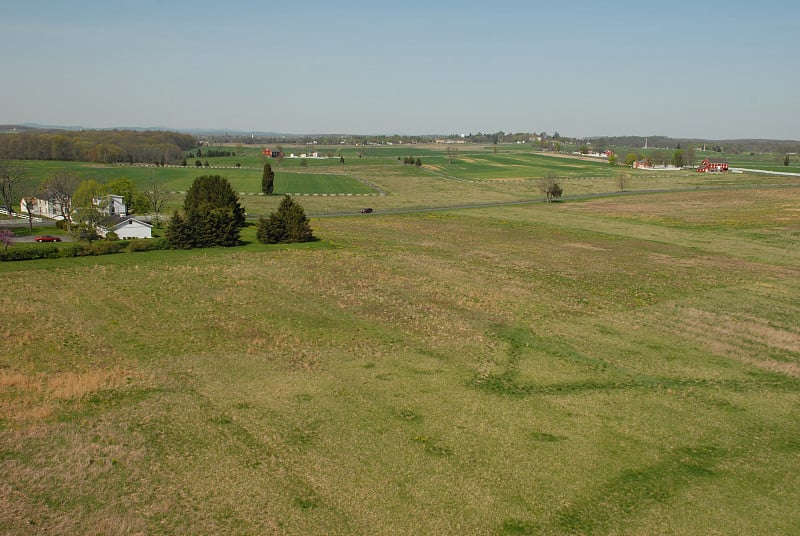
{"x": 719, "y": 146}
{"x": 106, "y": 146}
{"x": 355, "y": 139}
{"x": 210, "y": 153}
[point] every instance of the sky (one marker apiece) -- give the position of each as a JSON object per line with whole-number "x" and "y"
{"x": 695, "y": 69}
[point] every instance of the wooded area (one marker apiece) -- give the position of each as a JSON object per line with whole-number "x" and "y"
{"x": 106, "y": 146}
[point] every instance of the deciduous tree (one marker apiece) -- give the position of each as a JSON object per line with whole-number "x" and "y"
{"x": 88, "y": 213}
{"x": 10, "y": 176}
{"x": 550, "y": 188}
{"x": 6, "y": 237}
{"x": 156, "y": 195}
{"x": 133, "y": 199}
{"x": 85, "y": 193}
{"x": 677, "y": 158}
{"x": 622, "y": 181}
{"x": 59, "y": 189}
{"x": 451, "y": 152}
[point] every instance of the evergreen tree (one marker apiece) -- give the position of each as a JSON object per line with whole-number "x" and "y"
{"x": 267, "y": 179}
{"x": 288, "y": 224}
{"x": 212, "y": 215}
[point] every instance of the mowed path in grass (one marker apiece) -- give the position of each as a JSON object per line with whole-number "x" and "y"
{"x": 622, "y": 365}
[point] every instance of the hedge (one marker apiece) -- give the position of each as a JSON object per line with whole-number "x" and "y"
{"x": 82, "y": 249}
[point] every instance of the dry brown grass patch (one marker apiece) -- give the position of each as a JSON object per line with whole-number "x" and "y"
{"x": 34, "y": 396}
{"x": 743, "y": 338}
{"x": 581, "y": 245}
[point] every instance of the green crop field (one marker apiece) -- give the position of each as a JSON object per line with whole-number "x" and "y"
{"x": 176, "y": 178}
{"x": 619, "y": 365}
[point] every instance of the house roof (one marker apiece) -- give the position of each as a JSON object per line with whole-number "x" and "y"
{"x": 115, "y": 222}
{"x": 126, "y": 221}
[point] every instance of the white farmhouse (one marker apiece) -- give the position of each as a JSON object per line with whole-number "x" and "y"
{"x": 111, "y": 205}
{"x": 49, "y": 208}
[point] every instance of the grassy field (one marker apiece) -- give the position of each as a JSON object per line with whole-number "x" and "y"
{"x": 625, "y": 365}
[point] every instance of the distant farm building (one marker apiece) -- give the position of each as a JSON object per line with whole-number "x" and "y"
{"x": 643, "y": 164}
{"x": 712, "y": 166}
{"x": 272, "y": 153}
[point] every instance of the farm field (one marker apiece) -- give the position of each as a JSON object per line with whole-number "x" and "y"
{"x": 476, "y": 175}
{"x": 620, "y": 365}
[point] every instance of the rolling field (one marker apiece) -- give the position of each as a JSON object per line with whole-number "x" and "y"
{"x": 626, "y": 365}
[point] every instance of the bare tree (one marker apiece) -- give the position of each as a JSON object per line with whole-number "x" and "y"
{"x": 59, "y": 189}
{"x": 6, "y": 237}
{"x": 451, "y": 152}
{"x": 29, "y": 202}
{"x": 156, "y": 197}
{"x": 10, "y": 177}
{"x": 622, "y": 181}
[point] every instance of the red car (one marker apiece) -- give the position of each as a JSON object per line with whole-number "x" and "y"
{"x": 47, "y": 238}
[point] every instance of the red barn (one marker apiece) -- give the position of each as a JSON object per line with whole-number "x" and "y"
{"x": 712, "y": 166}
{"x": 272, "y": 153}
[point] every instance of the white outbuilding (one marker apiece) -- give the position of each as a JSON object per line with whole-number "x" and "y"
{"x": 126, "y": 228}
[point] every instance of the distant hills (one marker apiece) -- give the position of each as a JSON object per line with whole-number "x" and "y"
{"x": 23, "y": 127}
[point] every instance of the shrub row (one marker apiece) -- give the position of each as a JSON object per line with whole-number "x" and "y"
{"x": 82, "y": 249}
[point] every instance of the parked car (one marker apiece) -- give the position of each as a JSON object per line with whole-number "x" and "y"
{"x": 47, "y": 238}
{"x": 366, "y": 210}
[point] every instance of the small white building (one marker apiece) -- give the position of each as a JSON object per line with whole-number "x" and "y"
{"x": 126, "y": 228}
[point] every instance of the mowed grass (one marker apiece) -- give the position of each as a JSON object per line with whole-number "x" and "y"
{"x": 629, "y": 365}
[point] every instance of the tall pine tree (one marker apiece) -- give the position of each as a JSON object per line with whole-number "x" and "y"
{"x": 267, "y": 179}
{"x": 212, "y": 215}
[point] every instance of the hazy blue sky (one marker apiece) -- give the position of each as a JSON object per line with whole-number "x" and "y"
{"x": 711, "y": 69}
